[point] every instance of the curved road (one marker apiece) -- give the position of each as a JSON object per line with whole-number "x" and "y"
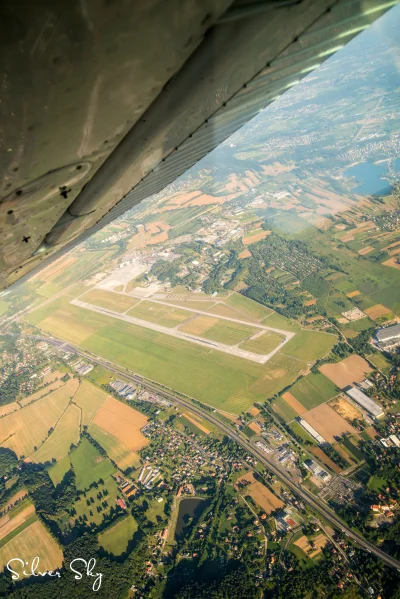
{"x": 307, "y": 497}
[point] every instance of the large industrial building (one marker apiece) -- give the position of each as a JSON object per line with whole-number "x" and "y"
{"x": 311, "y": 431}
{"x": 365, "y": 402}
{"x": 388, "y": 337}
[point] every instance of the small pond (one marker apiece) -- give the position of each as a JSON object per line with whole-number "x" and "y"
{"x": 189, "y": 509}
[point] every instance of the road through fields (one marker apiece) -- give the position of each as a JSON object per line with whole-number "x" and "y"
{"x": 316, "y": 504}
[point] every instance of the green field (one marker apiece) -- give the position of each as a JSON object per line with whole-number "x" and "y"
{"x": 277, "y": 321}
{"x": 189, "y": 425}
{"x": 313, "y": 389}
{"x": 248, "y": 432}
{"x": 155, "y": 511}
{"x": 380, "y": 362}
{"x": 301, "y": 432}
{"x": 3, "y": 307}
{"x": 88, "y": 503}
{"x": 100, "y": 375}
{"x": 115, "y": 540}
{"x": 284, "y": 410}
{"x": 352, "y": 448}
{"x": 89, "y": 466}
{"x": 377, "y": 484}
{"x": 59, "y": 470}
{"x": 263, "y": 344}
{"x": 229, "y": 333}
{"x": 247, "y": 307}
{"x": 309, "y": 345}
{"x": 48, "y": 289}
{"x": 305, "y": 561}
{"x": 116, "y": 302}
{"x": 231, "y": 383}
{"x": 166, "y": 316}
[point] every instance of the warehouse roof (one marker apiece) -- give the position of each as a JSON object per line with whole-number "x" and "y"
{"x": 388, "y": 333}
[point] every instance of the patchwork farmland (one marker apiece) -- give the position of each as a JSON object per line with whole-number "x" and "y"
{"x": 21, "y": 533}
{"x": 29, "y": 427}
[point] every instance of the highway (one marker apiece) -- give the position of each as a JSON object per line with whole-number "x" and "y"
{"x": 307, "y": 497}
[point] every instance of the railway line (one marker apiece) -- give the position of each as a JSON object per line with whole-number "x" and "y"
{"x": 319, "y": 506}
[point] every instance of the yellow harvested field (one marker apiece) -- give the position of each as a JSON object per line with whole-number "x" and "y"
{"x": 31, "y": 542}
{"x": 346, "y": 372}
{"x": 58, "y": 443}
{"x": 50, "y": 377}
{"x": 310, "y": 302}
{"x": 8, "y": 408}
{"x": 377, "y": 311}
{"x": 256, "y": 428}
{"x": 123, "y": 422}
{"x": 319, "y": 543}
{"x": 158, "y": 238}
{"x": 229, "y": 416}
{"x": 372, "y": 432}
{"x": 244, "y": 254}
{"x": 345, "y": 409}
{"x": 41, "y": 392}
{"x": 90, "y": 399}
{"x": 21, "y": 431}
{"x": 294, "y": 403}
{"x": 199, "y": 325}
{"x": 393, "y": 262}
{"x": 8, "y": 524}
{"x": 254, "y": 411}
{"x": 256, "y": 236}
{"x": 328, "y": 423}
{"x": 391, "y": 245}
{"x": 365, "y": 250}
{"x": 117, "y": 302}
{"x": 59, "y": 324}
{"x": 260, "y": 494}
{"x": 353, "y": 294}
{"x": 195, "y": 421}
{"x": 17, "y": 497}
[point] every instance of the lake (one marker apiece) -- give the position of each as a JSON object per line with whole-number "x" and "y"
{"x": 369, "y": 179}
{"x": 189, "y": 509}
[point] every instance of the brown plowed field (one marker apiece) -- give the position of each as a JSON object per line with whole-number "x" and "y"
{"x": 350, "y": 370}
{"x": 261, "y": 495}
{"x": 294, "y": 403}
{"x": 377, "y": 311}
{"x": 256, "y": 428}
{"x": 328, "y": 423}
